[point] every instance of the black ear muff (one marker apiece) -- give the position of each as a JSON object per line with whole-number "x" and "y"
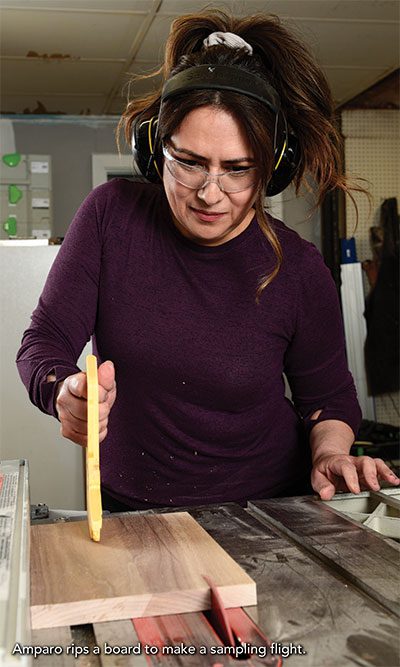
{"x": 144, "y": 144}
{"x": 287, "y": 160}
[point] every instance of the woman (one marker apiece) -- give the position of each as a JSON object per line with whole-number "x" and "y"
{"x": 200, "y": 299}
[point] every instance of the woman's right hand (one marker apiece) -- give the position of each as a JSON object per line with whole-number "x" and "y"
{"x": 71, "y": 403}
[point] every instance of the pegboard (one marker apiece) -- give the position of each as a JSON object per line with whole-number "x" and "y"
{"x": 372, "y": 149}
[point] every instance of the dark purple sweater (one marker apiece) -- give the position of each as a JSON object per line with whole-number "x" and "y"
{"x": 201, "y": 414}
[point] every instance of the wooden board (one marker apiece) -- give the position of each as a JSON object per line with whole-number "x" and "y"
{"x": 145, "y": 565}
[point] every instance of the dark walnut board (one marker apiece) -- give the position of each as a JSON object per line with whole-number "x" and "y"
{"x": 144, "y": 565}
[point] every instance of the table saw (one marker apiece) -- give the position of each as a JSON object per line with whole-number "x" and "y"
{"x": 327, "y": 594}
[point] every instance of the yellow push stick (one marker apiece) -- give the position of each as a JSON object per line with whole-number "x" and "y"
{"x": 93, "y": 495}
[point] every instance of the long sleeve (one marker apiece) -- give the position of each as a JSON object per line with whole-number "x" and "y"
{"x": 315, "y": 362}
{"x": 201, "y": 414}
{"x": 64, "y": 318}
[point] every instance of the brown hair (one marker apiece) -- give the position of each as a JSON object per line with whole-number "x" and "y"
{"x": 284, "y": 62}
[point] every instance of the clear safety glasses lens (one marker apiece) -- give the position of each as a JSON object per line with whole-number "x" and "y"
{"x": 196, "y": 178}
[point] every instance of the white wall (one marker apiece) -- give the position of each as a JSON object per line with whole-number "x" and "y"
{"x": 55, "y": 464}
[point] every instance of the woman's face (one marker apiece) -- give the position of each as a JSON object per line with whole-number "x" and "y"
{"x": 212, "y": 138}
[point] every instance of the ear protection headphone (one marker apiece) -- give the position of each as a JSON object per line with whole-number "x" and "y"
{"x": 220, "y": 77}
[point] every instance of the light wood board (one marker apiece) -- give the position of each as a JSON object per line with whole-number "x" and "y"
{"x": 145, "y": 565}
{"x": 93, "y": 493}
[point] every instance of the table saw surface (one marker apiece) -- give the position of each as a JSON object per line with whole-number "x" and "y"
{"x": 324, "y": 583}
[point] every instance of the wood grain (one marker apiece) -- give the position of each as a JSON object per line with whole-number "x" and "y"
{"x": 120, "y": 634}
{"x": 54, "y": 637}
{"x": 350, "y": 549}
{"x": 93, "y": 494}
{"x": 145, "y": 565}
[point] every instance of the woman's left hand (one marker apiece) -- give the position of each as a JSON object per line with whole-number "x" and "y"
{"x": 341, "y": 472}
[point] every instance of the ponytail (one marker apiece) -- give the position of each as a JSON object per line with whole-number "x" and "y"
{"x": 286, "y": 64}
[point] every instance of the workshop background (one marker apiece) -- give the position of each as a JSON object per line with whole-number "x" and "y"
{"x": 66, "y": 73}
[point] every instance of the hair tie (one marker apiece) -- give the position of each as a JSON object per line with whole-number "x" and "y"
{"x": 227, "y": 39}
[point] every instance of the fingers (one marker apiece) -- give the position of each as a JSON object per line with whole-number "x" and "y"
{"x": 76, "y": 385}
{"x": 384, "y": 472}
{"x": 369, "y": 472}
{"x": 341, "y": 471}
{"x": 68, "y": 431}
{"x": 349, "y": 473}
{"x": 322, "y": 485}
{"x": 107, "y": 386}
{"x": 71, "y": 403}
{"x": 102, "y": 434}
{"x": 106, "y": 375}
{"x": 71, "y": 400}
{"x": 350, "y": 476}
{"x": 372, "y": 471}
